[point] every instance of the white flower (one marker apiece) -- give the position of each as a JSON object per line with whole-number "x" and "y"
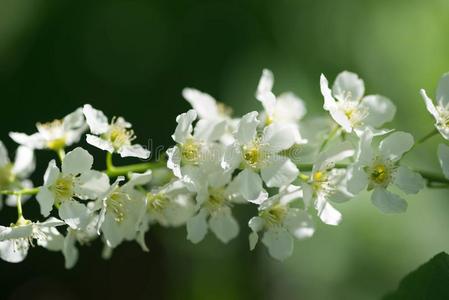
{"x": 170, "y": 205}
{"x": 215, "y": 121}
{"x": 16, "y": 239}
{"x": 286, "y": 108}
{"x": 349, "y": 107}
{"x": 122, "y": 210}
{"x": 55, "y": 135}
{"x": 76, "y": 180}
{"x": 256, "y": 153}
{"x": 280, "y": 222}
{"x": 14, "y": 176}
{"x": 441, "y": 111}
{"x": 328, "y": 183}
{"x": 82, "y": 236}
{"x": 378, "y": 169}
{"x": 191, "y": 151}
{"x": 116, "y": 136}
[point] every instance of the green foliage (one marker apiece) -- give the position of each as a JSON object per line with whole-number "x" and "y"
{"x": 429, "y": 281}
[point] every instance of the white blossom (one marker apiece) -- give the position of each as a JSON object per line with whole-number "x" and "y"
{"x": 16, "y": 239}
{"x": 279, "y": 223}
{"x": 378, "y": 169}
{"x": 74, "y": 181}
{"x": 116, "y": 136}
{"x": 14, "y": 175}
{"x": 349, "y": 107}
{"x": 55, "y": 135}
{"x": 440, "y": 112}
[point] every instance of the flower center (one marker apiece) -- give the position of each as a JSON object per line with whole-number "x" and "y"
{"x": 156, "y": 202}
{"x": 116, "y": 203}
{"x": 53, "y": 133}
{"x": 190, "y": 151}
{"x": 443, "y": 113}
{"x": 224, "y": 110}
{"x": 216, "y": 199}
{"x": 63, "y": 188}
{"x": 354, "y": 112}
{"x": 275, "y": 215}
{"x": 118, "y": 134}
{"x": 319, "y": 179}
{"x": 253, "y": 154}
{"x": 379, "y": 173}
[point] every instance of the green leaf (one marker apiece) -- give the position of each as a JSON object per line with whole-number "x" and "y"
{"x": 429, "y": 281}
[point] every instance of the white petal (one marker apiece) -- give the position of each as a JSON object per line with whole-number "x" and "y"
{"x": 429, "y": 105}
{"x": 69, "y": 250}
{"x": 348, "y": 82}
{"x": 4, "y": 158}
{"x": 99, "y": 143}
{"x": 184, "y": 128}
{"x": 396, "y": 144}
{"x": 14, "y": 251}
{"x": 281, "y": 171}
{"x": 46, "y": 199}
{"x": 232, "y": 157}
{"x": 380, "y": 110}
{"x": 443, "y": 158}
{"x": 299, "y": 223}
{"x": 388, "y": 202}
{"x": 253, "y": 239}
{"x": 327, "y": 213}
{"x": 256, "y": 224}
{"x": 204, "y": 104}
{"x": 290, "y": 108}
{"x": 331, "y": 106}
{"x": 77, "y": 161}
{"x": 97, "y": 121}
{"x": 210, "y": 130}
{"x": 174, "y": 161}
{"x": 357, "y": 179}
{"x": 91, "y": 184}
{"x": 53, "y": 240}
{"x": 197, "y": 227}
{"x": 112, "y": 231}
{"x": 279, "y": 243}
{"x": 52, "y": 173}
{"x": 443, "y": 90}
{"x": 24, "y": 163}
{"x": 408, "y": 181}
{"x": 224, "y": 225}
{"x": 365, "y": 152}
{"x": 278, "y": 136}
{"x": 333, "y": 155}
{"x": 74, "y": 119}
{"x": 34, "y": 141}
{"x": 250, "y": 185}
{"x": 266, "y": 82}
{"x": 247, "y": 126}
{"x": 134, "y": 151}
{"x": 75, "y": 214}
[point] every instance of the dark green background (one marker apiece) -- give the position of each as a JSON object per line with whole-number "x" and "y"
{"x": 132, "y": 58}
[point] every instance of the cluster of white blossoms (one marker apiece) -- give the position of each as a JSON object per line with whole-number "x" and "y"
{"x": 292, "y": 172}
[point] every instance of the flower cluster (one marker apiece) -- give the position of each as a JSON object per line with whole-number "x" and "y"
{"x": 291, "y": 171}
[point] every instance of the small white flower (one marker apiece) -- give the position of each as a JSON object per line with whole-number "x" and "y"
{"x": 116, "y": 136}
{"x": 280, "y": 223}
{"x": 215, "y": 121}
{"x": 260, "y": 152}
{"x": 286, "y": 108}
{"x": 349, "y": 107}
{"x": 378, "y": 169}
{"x": 55, "y": 135}
{"x": 327, "y": 183}
{"x": 441, "y": 111}
{"x": 76, "y": 180}
{"x": 14, "y": 175}
{"x": 170, "y": 205}
{"x": 16, "y": 239}
{"x": 122, "y": 210}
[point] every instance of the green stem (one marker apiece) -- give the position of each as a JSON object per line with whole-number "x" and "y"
{"x": 19, "y": 207}
{"x": 109, "y": 164}
{"x": 61, "y": 154}
{"x": 427, "y": 136}
{"x": 32, "y": 191}
{"x": 113, "y": 171}
{"x": 329, "y": 137}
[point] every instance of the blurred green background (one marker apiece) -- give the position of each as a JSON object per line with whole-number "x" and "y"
{"x": 133, "y": 58}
